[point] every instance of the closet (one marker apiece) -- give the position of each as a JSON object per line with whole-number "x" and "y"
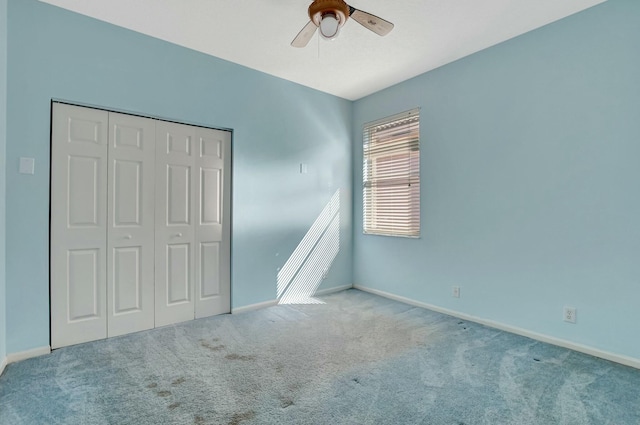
{"x": 140, "y": 223}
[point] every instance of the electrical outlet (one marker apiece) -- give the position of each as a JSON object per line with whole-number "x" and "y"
{"x": 570, "y": 314}
{"x": 455, "y": 292}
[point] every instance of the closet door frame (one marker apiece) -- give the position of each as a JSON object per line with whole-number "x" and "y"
{"x": 96, "y": 324}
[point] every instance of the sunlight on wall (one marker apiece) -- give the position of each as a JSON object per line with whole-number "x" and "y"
{"x": 305, "y": 269}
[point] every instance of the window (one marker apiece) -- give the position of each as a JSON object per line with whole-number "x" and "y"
{"x": 391, "y": 175}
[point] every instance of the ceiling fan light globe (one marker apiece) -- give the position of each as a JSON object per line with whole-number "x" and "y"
{"x": 329, "y": 26}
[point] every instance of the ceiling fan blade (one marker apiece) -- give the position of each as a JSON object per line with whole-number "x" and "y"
{"x": 369, "y": 21}
{"x": 305, "y": 34}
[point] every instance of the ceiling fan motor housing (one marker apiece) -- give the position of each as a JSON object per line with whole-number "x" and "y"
{"x": 319, "y": 8}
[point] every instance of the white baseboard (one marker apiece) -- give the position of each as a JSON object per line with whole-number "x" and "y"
{"x": 625, "y": 360}
{"x": 3, "y": 364}
{"x": 252, "y": 307}
{"x": 23, "y": 355}
{"x": 332, "y": 290}
{"x": 271, "y": 303}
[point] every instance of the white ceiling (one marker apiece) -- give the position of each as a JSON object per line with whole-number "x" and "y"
{"x": 258, "y": 33}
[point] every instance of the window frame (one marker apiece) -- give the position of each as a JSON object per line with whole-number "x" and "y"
{"x": 391, "y": 176}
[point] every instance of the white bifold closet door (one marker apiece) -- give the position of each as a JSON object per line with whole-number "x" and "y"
{"x": 102, "y": 224}
{"x": 78, "y": 225}
{"x": 192, "y": 223}
{"x": 131, "y": 228}
{"x": 140, "y": 224}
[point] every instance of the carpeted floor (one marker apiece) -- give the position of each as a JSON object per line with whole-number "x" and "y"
{"x": 358, "y": 359}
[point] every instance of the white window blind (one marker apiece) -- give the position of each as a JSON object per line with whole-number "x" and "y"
{"x": 391, "y": 175}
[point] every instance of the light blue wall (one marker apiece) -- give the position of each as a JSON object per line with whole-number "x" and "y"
{"x": 530, "y": 183}
{"x": 3, "y": 135}
{"x": 277, "y": 125}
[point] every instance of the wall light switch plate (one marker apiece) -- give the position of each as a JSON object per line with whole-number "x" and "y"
{"x": 27, "y": 166}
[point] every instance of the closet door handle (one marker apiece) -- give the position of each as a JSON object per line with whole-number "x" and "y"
{"x": 127, "y": 236}
{"x": 178, "y": 235}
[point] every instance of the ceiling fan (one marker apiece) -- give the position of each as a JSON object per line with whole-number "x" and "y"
{"x": 330, "y": 16}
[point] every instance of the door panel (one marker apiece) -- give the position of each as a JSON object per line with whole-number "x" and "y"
{"x": 210, "y": 196}
{"x": 178, "y": 139}
{"x": 209, "y": 270}
{"x": 174, "y": 238}
{"x": 128, "y": 284}
{"x": 78, "y": 225}
{"x": 178, "y": 274}
{"x": 130, "y": 242}
{"x": 213, "y": 185}
{"x": 83, "y": 284}
{"x": 128, "y": 187}
{"x": 83, "y": 182}
{"x": 178, "y": 195}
